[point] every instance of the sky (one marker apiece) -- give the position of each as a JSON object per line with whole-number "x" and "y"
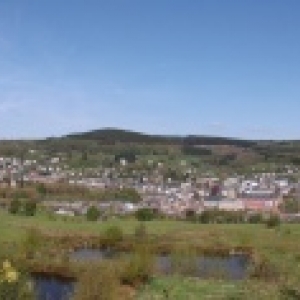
{"x": 204, "y": 67}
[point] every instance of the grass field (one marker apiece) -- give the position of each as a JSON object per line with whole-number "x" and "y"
{"x": 276, "y": 251}
{"x": 286, "y": 237}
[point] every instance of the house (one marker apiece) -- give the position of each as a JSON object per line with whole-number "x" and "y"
{"x": 212, "y": 202}
{"x": 231, "y": 204}
{"x": 262, "y": 201}
{"x": 65, "y": 212}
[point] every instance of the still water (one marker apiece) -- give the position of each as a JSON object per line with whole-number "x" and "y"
{"x": 52, "y": 287}
{"x": 232, "y": 267}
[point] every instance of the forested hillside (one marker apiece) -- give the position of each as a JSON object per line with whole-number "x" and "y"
{"x": 106, "y": 146}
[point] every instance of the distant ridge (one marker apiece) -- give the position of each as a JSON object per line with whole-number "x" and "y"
{"x": 218, "y": 151}
{"x": 115, "y": 135}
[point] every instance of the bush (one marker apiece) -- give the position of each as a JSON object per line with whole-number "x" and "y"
{"x": 113, "y": 235}
{"x": 41, "y": 189}
{"x": 264, "y": 269}
{"x": 139, "y": 268}
{"x": 290, "y": 292}
{"x": 255, "y": 219}
{"x": 190, "y": 215}
{"x": 273, "y": 221}
{"x": 95, "y": 284}
{"x": 15, "y": 206}
{"x": 204, "y": 217}
{"x": 93, "y": 213}
{"x": 30, "y": 207}
{"x": 145, "y": 214}
{"x": 222, "y": 216}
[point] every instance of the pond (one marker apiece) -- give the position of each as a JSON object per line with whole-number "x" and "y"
{"x": 87, "y": 254}
{"x": 232, "y": 267}
{"x": 49, "y": 287}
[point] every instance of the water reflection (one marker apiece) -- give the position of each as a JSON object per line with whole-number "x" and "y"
{"x": 231, "y": 267}
{"x": 52, "y": 287}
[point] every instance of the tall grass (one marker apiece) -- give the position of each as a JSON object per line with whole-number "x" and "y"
{"x": 98, "y": 282}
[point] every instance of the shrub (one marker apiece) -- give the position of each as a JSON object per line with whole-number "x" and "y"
{"x": 290, "y": 292}
{"x": 264, "y": 269}
{"x": 139, "y": 268}
{"x": 98, "y": 284}
{"x": 15, "y": 206}
{"x": 113, "y": 235}
{"x": 255, "y": 219}
{"x": 93, "y": 213}
{"x": 145, "y": 214}
{"x": 30, "y": 207}
{"x": 41, "y": 189}
{"x": 204, "y": 217}
{"x": 190, "y": 215}
{"x": 273, "y": 221}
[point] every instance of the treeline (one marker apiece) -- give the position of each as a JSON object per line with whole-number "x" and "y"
{"x": 215, "y": 216}
{"x": 195, "y": 151}
{"x": 210, "y": 141}
{"x": 18, "y": 193}
{"x": 84, "y": 193}
{"x": 65, "y": 191}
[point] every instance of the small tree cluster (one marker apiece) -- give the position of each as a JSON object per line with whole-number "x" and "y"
{"x": 221, "y": 216}
{"x": 255, "y": 218}
{"x": 93, "y": 213}
{"x": 145, "y": 214}
{"x": 273, "y": 221}
{"x": 26, "y": 207}
{"x": 113, "y": 235}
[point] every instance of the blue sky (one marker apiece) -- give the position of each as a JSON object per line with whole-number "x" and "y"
{"x": 228, "y": 68}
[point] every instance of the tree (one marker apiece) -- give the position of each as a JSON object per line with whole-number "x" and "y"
{"x": 84, "y": 156}
{"x": 113, "y": 235}
{"x": 93, "y": 213}
{"x": 190, "y": 215}
{"x": 273, "y": 221}
{"x": 41, "y": 189}
{"x": 30, "y": 207}
{"x": 145, "y": 214}
{"x": 255, "y": 218}
{"x": 290, "y": 206}
{"x": 205, "y": 217}
{"x": 15, "y": 206}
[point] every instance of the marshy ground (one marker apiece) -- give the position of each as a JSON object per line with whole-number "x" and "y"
{"x": 44, "y": 242}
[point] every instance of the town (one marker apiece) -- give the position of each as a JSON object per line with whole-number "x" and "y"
{"x": 191, "y": 195}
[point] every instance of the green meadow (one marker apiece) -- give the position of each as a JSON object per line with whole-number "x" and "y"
{"x": 274, "y": 271}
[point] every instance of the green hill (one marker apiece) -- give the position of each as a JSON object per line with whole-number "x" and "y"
{"x": 106, "y": 145}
